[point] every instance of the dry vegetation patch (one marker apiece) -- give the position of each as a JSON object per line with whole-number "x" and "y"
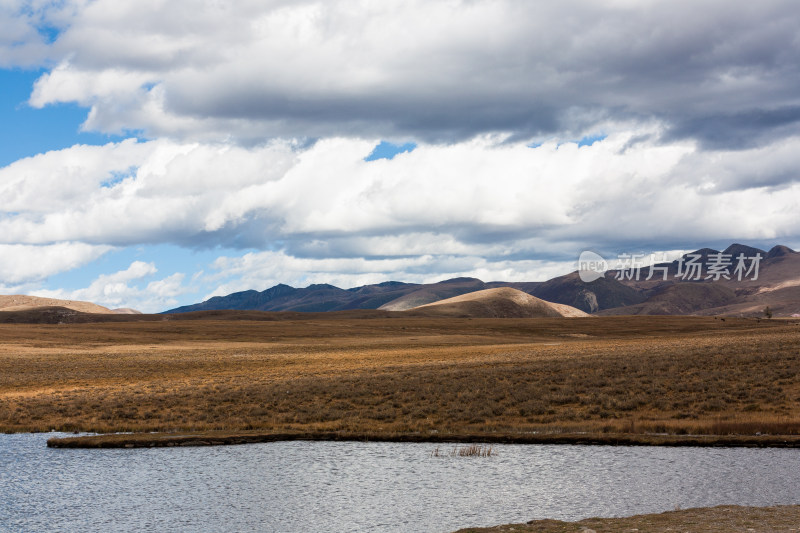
{"x": 723, "y": 519}
{"x": 675, "y": 375}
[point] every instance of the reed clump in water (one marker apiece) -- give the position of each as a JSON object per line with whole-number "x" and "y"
{"x": 473, "y": 450}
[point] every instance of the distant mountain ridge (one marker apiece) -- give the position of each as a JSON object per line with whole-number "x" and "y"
{"x": 323, "y": 297}
{"x": 777, "y": 286}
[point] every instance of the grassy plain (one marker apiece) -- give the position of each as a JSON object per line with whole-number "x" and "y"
{"x": 404, "y": 375}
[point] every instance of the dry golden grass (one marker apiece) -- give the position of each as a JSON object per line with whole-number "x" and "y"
{"x": 472, "y": 450}
{"x": 403, "y": 375}
{"x": 723, "y": 519}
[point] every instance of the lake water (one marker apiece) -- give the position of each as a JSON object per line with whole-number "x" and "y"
{"x": 348, "y": 486}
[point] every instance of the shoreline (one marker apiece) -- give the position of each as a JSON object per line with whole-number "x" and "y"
{"x": 225, "y": 438}
{"x": 719, "y": 519}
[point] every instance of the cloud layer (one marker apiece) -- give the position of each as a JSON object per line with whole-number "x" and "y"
{"x": 486, "y": 197}
{"x": 724, "y": 73}
{"x": 255, "y": 118}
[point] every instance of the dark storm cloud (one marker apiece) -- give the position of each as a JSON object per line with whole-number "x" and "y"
{"x": 745, "y": 129}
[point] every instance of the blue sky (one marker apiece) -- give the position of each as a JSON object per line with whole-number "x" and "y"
{"x": 27, "y": 131}
{"x": 147, "y": 163}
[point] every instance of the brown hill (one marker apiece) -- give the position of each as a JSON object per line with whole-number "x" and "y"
{"x": 503, "y": 302}
{"x": 680, "y": 299}
{"x": 602, "y": 293}
{"x": 21, "y": 302}
{"x": 434, "y": 293}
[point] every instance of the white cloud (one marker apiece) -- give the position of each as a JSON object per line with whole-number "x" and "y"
{"x": 770, "y": 166}
{"x": 63, "y": 84}
{"x": 20, "y": 43}
{"x": 131, "y": 192}
{"x": 22, "y": 263}
{"x": 64, "y": 179}
{"x": 125, "y": 289}
{"x": 481, "y": 197}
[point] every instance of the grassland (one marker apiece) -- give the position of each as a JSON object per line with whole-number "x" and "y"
{"x": 394, "y": 377}
{"x": 723, "y": 519}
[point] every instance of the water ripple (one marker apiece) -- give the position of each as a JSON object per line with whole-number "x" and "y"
{"x": 357, "y": 487}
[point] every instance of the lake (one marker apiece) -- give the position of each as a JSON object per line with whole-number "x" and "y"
{"x": 359, "y": 486}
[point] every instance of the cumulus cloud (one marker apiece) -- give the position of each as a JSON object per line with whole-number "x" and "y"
{"x": 28, "y": 27}
{"x": 25, "y": 264}
{"x": 20, "y": 42}
{"x": 126, "y": 288}
{"x": 133, "y": 192}
{"x": 720, "y": 72}
{"x": 485, "y": 197}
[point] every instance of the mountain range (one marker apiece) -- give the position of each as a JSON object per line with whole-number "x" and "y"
{"x": 709, "y": 285}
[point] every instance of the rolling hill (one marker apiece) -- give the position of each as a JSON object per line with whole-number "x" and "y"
{"x": 434, "y": 293}
{"x": 19, "y": 302}
{"x": 503, "y": 302}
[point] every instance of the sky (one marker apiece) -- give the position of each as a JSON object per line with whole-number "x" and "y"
{"x": 156, "y": 153}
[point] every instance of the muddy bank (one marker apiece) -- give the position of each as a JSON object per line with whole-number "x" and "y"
{"x": 219, "y": 438}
